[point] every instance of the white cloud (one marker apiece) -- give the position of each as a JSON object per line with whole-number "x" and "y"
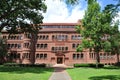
{"x": 57, "y": 11}
{"x": 118, "y": 18}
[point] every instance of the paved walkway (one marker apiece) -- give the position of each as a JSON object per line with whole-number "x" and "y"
{"x": 60, "y": 73}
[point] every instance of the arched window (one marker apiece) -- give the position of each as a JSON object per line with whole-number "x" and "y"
{"x": 82, "y": 55}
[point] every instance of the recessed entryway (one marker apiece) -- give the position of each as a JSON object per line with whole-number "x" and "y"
{"x": 59, "y": 60}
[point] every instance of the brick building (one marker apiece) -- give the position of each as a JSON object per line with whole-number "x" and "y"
{"x": 56, "y": 44}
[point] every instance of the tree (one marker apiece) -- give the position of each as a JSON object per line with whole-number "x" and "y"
{"x": 96, "y": 29}
{"x": 73, "y": 2}
{"x": 3, "y": 49}
{"x": 115, "y": 40}
{"x": 19, "y": 15}
{"x": 113, "y": 9}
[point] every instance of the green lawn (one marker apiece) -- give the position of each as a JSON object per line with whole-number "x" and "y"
{"x": 108, "y": 73}
{"x": 25, "y": 73}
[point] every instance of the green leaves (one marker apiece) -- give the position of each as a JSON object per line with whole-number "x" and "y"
{"x": 106, "y": 46}
{"x": 72, "y": 2}
{"x": 3, "y": 47}
{"x": 16, "y": 14}
{"x": 80, "y": 48}
{"x": 98, "y": 28}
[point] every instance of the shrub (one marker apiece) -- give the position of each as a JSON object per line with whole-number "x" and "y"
{"x": 89, "y": 65}
{"x": 32, "y": 65}
{"x": 81, "y": 65}
{"x": 11, "y": 64}
{"x": 25, "y": 65}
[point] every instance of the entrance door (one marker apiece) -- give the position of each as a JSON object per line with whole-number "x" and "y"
{"x": 59, "y": 60}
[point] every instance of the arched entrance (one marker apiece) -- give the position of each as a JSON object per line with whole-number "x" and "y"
{"x": 60, "y": 58}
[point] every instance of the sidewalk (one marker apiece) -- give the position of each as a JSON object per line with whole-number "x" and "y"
{"x": 60, "y": 74}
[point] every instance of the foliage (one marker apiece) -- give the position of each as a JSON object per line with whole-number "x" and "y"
{"x": 24, "y": 65}
{"x": 97, "y": 28}
{"x": 72, "y": 2}
{"x": 107, "y": 46}
{"x": 19, "y": 15}
{"x": 3, "y": 47}
{"x": 115, "y": 42}
{"x": 89, "y": 65}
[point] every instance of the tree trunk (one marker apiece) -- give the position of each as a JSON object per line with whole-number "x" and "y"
{"x": 33, "y": 47}
{"x": 118, "y": 58}
{"x": 97, "y": 59}
{"x": 2, "y": 60}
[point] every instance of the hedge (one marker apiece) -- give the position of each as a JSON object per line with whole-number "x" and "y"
{"x": 88, "y": 65}
{"x": 24, "y": 65}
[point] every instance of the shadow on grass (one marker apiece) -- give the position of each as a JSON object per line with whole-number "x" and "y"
{"x": 107, "y": 67}
{"x": 111, "y": 67}
{"x": 21, "y": 70}
{"x": 107, "y": 77}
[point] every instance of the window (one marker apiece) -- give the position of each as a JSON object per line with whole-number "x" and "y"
{"x": 78, "y": 56}
{"x": 59, "y": 37}
{"x": 28, "y": 35}
{"x": 18, "y": 55}
{"x": 74, "y": 56}
{"x": 4, "y": 37}
{"x": 53, "y": 49}
{"x": 62, "y": 49}
{"x": 105, "y": 55}
{"x": 47, "y": 37}
{"x": 74, "y": 45}
{"x": 40, "y": 37}
{"x": 73, "y": 37}
{"x": 41, "y": 56}
{"x": 19, "y": 45}
{"x": 76, "y": 37}
{"x": 43, "y": 37}
{"x": 59, "y": 49}
{"x": 53, "y": 37}
{"x": 15, "y": 37}
{"x": 58, "y": 26}
{"x": 45, "y": 45}
{"x": 79, "y": 37}
{"x": 27, "y": 45}
{"x": 38, "y": 45}
{"x": 14, "y": 55}
{"x": 101, "y": 56}
{"x": 37, "y": 55}
{"x": 26, "y": 55}
{"x": 45, "y": 56}
{"x": 66, "y": 48}
{"x": 14, "y": 45}
{"x": 109, "y": 56}
{"x": 82, "y": 55}
{"x": 42, "y": 46}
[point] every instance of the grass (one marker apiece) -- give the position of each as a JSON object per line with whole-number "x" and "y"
{"x": 24, "y": 73}
{"x": 107, "y": 73}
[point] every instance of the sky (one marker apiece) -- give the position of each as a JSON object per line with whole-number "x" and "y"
{"x": 59, "y": 12}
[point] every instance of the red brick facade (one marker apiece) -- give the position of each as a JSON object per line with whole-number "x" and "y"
{"x": 56, "y": 44}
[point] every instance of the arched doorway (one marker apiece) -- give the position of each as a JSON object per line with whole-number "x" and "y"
{"x": 60, "y": 58}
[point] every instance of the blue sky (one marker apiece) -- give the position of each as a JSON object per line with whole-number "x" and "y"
{"x": 59, "y": 12}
